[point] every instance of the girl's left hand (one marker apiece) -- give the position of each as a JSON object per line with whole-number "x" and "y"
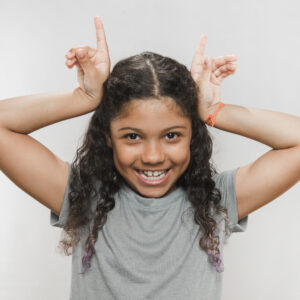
{"x": 209, "y": 75}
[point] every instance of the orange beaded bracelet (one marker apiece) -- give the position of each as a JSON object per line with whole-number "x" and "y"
{"x": 210, "y": 119}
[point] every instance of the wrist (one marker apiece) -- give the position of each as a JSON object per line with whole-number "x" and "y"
{"x": 211, "y": 113}
{"x": 209, "y": 110}
{"x": 87, "y": 100}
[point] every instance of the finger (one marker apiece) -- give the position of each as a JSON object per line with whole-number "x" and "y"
{"x": 71, "y": 62}
{"x": 213, "y": 65}
{"x": 67, "y": 65}
{"x": 207, "y": 64}
{"x": 71, "y": 53}
{"x": 85, "y": 61}
{"x": 80, "y": 73}
{"x": 91, "y": 52}
{"x": 215, "y": 80}
{"x": 225, "y": 68}
{"x": 226, "y": 74}
{"x": 221, "y": 60}
{"x": 198, "y": 56}
{"x": 78, "y": 66}
{"x": 201, "y": 46}
{"x": 100, "y": 35}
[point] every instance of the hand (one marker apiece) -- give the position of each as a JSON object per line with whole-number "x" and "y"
{"x": 93, "y": 65}
{"x": 209, "y": 75}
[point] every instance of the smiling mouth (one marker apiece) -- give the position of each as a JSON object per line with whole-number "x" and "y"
{"x": 164, "y": 170}
{"x": 156, "y": 179}
{"x": 154, "y": 175}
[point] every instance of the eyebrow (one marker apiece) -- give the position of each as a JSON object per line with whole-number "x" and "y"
{"x": 139, "y": 130}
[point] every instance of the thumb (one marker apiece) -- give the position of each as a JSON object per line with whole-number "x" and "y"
{"x": 84, "y": 60}
{"x": 207, "y": 64}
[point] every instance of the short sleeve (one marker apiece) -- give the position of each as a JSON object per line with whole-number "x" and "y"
{"x": 225, "y": 182}
{"x": 59, "y": 221}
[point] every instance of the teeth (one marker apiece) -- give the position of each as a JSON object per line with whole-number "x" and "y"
{"x": 153, "y": 177}
{"x": 151, "y": 174}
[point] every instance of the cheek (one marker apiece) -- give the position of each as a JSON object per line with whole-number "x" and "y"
{"x": 125, "y": 154}
{"x": 179, "y": 154}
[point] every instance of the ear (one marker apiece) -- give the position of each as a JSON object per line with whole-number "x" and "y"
{"x": 108, "y": 140}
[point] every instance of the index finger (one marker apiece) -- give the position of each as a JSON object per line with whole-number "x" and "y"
{"x": 200, "y": 50}
{"x": 100, "y": 34}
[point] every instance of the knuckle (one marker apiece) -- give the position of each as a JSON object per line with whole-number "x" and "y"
{"x": 83, "y": 47}
{"x": 78, "y": 48}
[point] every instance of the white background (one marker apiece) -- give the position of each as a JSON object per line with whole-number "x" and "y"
{"x": 263, "y": 262}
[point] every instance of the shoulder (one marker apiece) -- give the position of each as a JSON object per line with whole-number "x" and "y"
{"x": 225, "y": 179}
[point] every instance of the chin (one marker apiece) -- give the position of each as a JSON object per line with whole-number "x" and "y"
{"x": 156, "y": 193}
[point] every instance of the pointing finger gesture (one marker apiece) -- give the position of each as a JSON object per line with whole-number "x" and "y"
{"x": 197, "y": 62}
{"x": 208, "y": 75}
{"x": 101, "y": 58}
{"x": 93, "y": 64}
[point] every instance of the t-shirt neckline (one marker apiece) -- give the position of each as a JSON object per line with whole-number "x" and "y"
{"x": 175, "y": 196}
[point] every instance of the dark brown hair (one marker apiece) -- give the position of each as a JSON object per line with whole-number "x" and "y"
{"x": 143, "y": 76}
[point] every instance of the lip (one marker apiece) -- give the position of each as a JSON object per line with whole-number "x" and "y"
{"x": 152, "y": 182}
{"x": 153, "y": 170}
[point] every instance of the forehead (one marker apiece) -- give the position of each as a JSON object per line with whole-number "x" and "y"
{"x": 156, "y": 113}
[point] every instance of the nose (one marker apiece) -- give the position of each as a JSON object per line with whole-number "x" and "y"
{"x": 153, "y": 153}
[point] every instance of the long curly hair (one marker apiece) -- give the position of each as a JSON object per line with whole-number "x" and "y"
{"x": 143, "y": 76}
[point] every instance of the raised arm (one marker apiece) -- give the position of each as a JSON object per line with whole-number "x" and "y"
{"x": 276, "y": 171}
{"x": 25, "y": 161}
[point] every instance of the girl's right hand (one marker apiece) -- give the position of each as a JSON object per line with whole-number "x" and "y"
{"x": 93, "y": 65}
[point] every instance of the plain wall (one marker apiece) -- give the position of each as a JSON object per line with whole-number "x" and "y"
{"x": 263, "y": 262}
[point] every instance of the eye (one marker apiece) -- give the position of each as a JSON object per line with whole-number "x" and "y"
{"x": 130, "y": 136}
{"x": 172, "y": 133}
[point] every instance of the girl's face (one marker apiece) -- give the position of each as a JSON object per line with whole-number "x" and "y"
{"x": 151, "y": 135}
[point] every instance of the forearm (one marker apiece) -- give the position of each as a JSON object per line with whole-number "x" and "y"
{"x": 275, "y": 129}
{"x": 26, "y": 114}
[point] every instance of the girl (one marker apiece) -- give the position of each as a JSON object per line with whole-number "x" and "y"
{"x": 142, "y": 206}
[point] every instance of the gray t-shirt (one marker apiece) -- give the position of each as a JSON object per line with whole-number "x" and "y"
{"x": 145, "y": 252}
